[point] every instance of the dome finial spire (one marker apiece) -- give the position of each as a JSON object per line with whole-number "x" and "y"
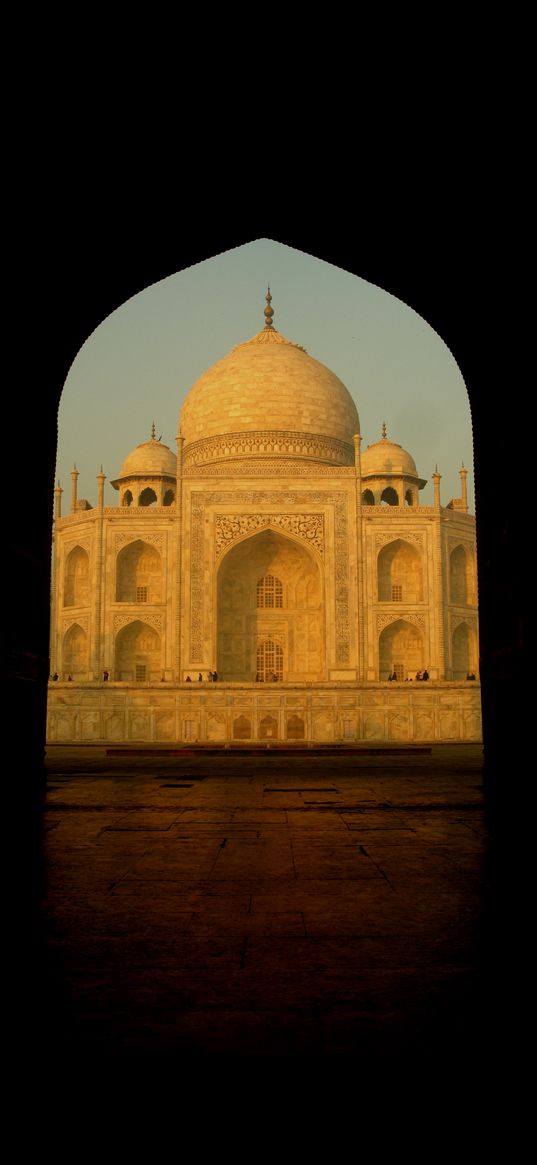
{"x": 268, "y": 310}
{"x": 384, "y": 430}
{"x": 153, "y": 431}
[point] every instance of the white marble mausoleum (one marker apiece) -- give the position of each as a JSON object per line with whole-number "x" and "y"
{"x": 277, "y": 553}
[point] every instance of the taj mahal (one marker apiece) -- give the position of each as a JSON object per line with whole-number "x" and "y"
{"x": 274, "y": 581}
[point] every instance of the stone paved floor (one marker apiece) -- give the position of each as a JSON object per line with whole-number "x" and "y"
{"x": 269, "y": 906}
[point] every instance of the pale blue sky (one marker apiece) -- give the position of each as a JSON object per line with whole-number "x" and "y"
{"x": 142, "y": 360}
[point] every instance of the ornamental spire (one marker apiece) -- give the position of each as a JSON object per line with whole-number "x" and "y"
{"x": 153, "y": 431}
{"x": 384, "y": 430}
{"x": 268, "y": 311}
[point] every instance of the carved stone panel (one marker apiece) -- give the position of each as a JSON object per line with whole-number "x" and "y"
{"x": 415, "y": 536}
{"x": 137, "y": 617}
{"x": 134, "y": 536}
{"x": 229, "y": 527}
{"x": 165, "y": 726}
{"x": 267, "y": 444}
{"x": 384, "y": 619}
{"x": 80, "y": 621}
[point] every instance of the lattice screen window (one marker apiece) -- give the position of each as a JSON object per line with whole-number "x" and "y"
{"x": 348, "y": 730}
{"x": 188, "y": 729}
{"x": 141, "y": 594}
{"x": 141, "y": 673}
{"x": 397, "y": 594}
{"x": 399, "y": 669}
{"x": 269, "y": 661}
{"x": 269, "y": 592}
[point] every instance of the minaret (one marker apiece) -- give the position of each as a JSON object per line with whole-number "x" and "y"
{"x": 463, "y": 474}
{"x": 357, "y": 446}
{"x": 58, "y": 501}
{"x": 74, "y": 479}
{"x": 101, "y": 478}
{"x": 436, "y": 476}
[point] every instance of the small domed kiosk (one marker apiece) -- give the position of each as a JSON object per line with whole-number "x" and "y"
{"x": 148, "y": 475}
{"x": 389, "y": 474}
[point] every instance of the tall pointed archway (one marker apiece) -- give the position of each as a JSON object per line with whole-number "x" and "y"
{"x": 270, "y": 611}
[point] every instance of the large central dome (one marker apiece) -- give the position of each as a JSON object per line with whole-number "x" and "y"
{"x": 269, "y": 398}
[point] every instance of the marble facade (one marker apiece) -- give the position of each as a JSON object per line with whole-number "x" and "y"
{"x": 264, "y": 551}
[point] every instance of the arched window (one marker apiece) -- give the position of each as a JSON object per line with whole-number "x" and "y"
{"x": 400, "y": 650}
{"x": 75, "y": 652}
{"x": 147, "y": 497}
{"x": 242, "y": 728}
{"x": 464, "y": 652}
{"x": 389, "y": 497}
{"x": 76, "y": 587}
{"x": 268, "y": 727}
{"x": 138, "y": 574}
{"x": 368, "y": 498}
{"x": 462, "y": 576}
{"x": 169, "y": 498}
{"x": 295, "y": 728}
{"x": 400, "y": 573}
{"x": 138, "y": 653}
{"x": 269, "y": 592}
{"x": 269, "y": 661}
{"x": 127, "y": 498}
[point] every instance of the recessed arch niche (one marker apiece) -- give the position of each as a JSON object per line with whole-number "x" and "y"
{"x": 138, "y": 574}
{"x": 75, "y": 653}
{"x": 295, "y": 627}
{"x": 462, "y": 583}
{"x": 137, "y": 653}
{"x": 76, "y": 582}
{"x": 399, "y": 572}
{"x": 400, "y": 649}
{"x": 464, "y": 652}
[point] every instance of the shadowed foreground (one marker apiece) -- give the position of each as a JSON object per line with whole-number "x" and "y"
{"x": 269, "y": 906}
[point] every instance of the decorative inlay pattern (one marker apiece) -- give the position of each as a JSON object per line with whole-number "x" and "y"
{"x": 256, "y": 499}
{"x": 391, "y": 512}
{"x": 403, "y": 535}
{"x": 75, "y": 621}
{"x": 276, "y": 636}
{"x": 84, "y": 544}
{"x": 457, "y": 620}
{"x": 152, "y": 539}
{"x": 269, "y": 443}
{"x": 268, "y": 467}
{"x": 196, "y": 575}
{"x": 229, "y": 527}
{"x": 137, "y": 617}
{"x": 139, "y": 512}
{"x": 408, "y": 617}
{"x": 454, "y": 542}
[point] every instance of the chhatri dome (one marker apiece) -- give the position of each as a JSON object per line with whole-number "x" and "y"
{"x": 149, "y": 459}
{"x": 386, "y": 457}
{"x": 269, "y": 397}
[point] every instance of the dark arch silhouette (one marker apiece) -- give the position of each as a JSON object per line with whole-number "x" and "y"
{"x": 443, "y": 271}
